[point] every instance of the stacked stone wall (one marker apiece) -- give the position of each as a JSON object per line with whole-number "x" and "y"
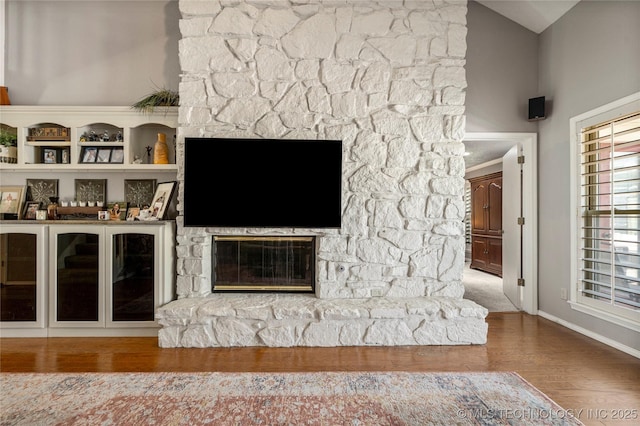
{"x": 385, "y": 77}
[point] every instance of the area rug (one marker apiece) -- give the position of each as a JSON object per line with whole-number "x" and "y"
{"x": 323, "y": 398}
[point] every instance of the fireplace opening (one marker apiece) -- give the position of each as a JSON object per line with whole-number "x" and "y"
{"x": 263, "y": 264}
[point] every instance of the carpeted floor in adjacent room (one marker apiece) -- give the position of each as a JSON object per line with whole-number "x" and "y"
{"x": 486, "y": 290}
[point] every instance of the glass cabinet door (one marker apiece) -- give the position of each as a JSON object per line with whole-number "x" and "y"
{"x": 18, "y": 283}
{"x": 23, "y": 280}
{"x": 77, "y": 271}
{"x": 132, "y": 278}
{"x": 77, "y": 279}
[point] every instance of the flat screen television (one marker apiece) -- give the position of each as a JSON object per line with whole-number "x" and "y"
{"x": 231, "y": 182}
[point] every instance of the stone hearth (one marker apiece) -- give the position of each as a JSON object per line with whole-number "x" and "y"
{"x": 387, "y": 78}
{"x": 302, "y": 320}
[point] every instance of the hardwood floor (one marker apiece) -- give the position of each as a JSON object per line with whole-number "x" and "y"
{"x": 575, "y": 371}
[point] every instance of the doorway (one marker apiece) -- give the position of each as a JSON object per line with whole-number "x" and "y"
{"x": 486, "y": 290}
{"x": 487, "y": 152}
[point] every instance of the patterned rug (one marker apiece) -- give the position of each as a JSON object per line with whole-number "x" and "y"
{"x": 275, "y": 399}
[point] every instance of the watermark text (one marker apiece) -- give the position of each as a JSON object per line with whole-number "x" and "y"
{"x": 542, "y": 414}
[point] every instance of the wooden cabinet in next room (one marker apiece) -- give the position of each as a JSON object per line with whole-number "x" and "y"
{"x": 486, "y": 223}
{"x": 486, "y": 254}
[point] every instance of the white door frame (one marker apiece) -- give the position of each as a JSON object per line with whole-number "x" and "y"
{"x": 529, "y": 142}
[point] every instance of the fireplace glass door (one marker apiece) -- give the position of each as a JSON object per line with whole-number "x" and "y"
{"x": 266, "y": 264}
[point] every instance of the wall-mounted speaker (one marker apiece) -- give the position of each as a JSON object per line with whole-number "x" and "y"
{"x": 536, "y": 108}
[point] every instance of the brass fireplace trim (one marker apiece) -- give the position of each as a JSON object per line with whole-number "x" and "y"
{"x": 274, "y": 289}
{"x": 259, "y": 287}
{"x": 260, "y": 238}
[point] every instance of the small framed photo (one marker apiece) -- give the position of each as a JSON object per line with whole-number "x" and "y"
{"x": 161, "y": 199}
{"x": 11, "y": 199}
{"x": 133, "y": 213}
{"x": 104, "y": 154}
{"x": 49, "y": 155}
{"x": 30, "y": 209}
{"x": 117, "y": 210}
{"x": 89, "y": 154}
{"x": 64, "y": 155}
{"x": 117, "y": 155}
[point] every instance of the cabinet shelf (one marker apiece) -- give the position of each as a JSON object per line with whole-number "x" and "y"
{"x": 41, "y": 142}
{"x": 87, "y": 167}
{"x": 99, "y": 144}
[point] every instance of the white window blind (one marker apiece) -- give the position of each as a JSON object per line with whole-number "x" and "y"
{"x": 610, "y": 214}
{"x": 467, "y": 212}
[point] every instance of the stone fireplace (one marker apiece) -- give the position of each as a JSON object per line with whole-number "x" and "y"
{"x": 387, "y": 79}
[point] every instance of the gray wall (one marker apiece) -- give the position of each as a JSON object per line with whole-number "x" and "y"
{"x": 588, "y": 58}
{"x": 502, "y": 72}
{"x": 90, "y": 52}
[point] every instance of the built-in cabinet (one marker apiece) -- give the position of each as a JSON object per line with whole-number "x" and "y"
{"x": 84, "y": 277}
{"x": 486, "y": 223}
{"x": 74, "y": 278}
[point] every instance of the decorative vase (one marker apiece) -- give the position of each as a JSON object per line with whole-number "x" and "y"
{"x": 161, "y": 150}
{"x": 8, "y": 154}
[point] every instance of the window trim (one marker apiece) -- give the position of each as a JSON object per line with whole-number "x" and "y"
{"x": 613, "y": 110}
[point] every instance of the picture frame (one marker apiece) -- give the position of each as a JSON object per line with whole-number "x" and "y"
{"x": 49, "y": 156}
{"x": 117, "y": 210}
{"x": 139, "y": 192}
{"x": 30, "y": 209}
{"x": 89, "y": 154}
{"x": 41, "y": 190}
{"x": 104, "y": 155}
{"x": 117, "y": 155}
{"x": 64, "y": 155}
{"x": 11, "y": 201}
{"x": 133, "y": 213}
{"x": 91, "y": 190}
{"x": 161, "y": 200}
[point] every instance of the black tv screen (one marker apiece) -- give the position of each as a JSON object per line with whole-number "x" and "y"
{"x": 232, "y": 182}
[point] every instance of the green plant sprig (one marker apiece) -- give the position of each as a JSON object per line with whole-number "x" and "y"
{"x": 8, "y": 138}
{"x": 162, "y": 97}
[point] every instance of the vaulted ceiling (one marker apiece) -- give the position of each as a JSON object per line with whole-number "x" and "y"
{"x": 535, "y": 15}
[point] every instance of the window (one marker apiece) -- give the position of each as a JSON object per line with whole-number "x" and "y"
{"x": 608, "y": 243}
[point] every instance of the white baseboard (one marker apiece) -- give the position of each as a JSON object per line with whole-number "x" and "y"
{"x": 617, "y": 345}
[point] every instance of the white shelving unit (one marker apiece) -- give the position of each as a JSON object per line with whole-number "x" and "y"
{"x": 64, "y": 130}
{"x": 138, "y": 130}
{"x": 134, "y": 131}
